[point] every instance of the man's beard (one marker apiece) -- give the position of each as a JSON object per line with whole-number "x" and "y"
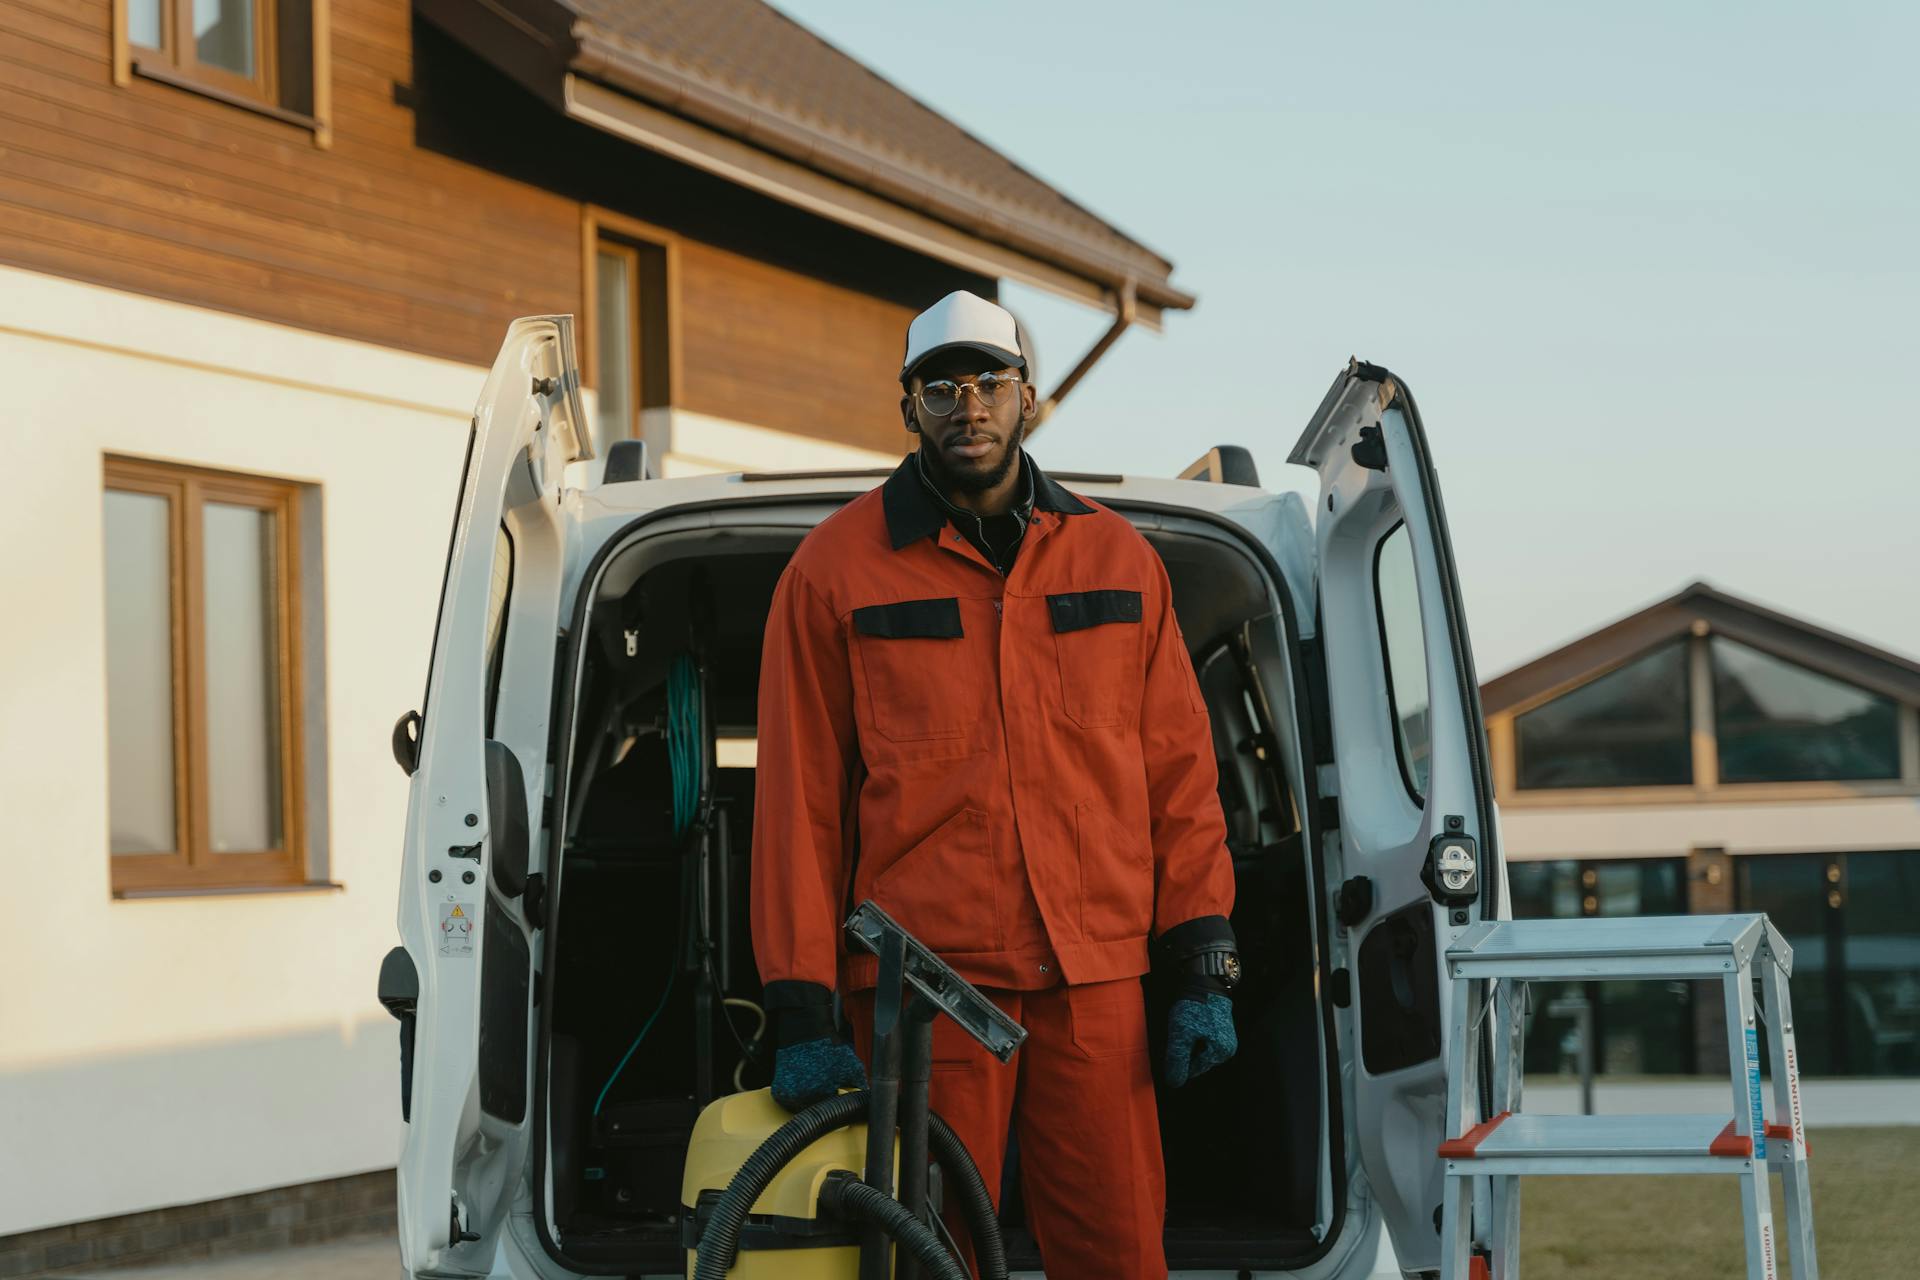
{"x": 974, "y": 481}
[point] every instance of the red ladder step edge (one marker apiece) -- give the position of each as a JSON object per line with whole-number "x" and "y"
{"x": 1732, "y": 1144}
{"x": 1467, "y": 1145}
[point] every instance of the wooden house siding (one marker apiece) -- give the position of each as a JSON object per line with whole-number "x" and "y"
{"x": 428, "y": 228}
{"x": 769, "y": 346}
{"x": 159, "y": 191}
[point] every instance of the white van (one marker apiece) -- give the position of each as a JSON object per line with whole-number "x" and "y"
{"x": 573, "y": 977}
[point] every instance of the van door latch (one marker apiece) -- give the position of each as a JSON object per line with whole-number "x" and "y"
{"x": 471, "y": 851}
{"x": 1452, "y": 870}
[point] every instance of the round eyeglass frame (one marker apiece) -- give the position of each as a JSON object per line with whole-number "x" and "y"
{"x": 990, "y": 396}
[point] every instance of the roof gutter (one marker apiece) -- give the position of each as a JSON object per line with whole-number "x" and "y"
{"x": 866, "y": 170}
{"x": 1125, "y": 307}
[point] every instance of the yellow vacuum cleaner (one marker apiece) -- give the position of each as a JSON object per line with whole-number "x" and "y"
{"x": 814, "y": 1196}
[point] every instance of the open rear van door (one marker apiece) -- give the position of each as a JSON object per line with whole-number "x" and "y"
{"x": 1417, "y": 830}
{"x": 470, "y": 887}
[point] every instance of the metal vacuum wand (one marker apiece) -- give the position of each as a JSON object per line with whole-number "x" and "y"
{"x": 903, "y": 1064}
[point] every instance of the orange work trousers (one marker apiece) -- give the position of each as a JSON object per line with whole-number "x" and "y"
{"x": 1079, "y": 1094}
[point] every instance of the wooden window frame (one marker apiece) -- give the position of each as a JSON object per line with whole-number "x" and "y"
{"x": 175, "y": 64}
{"x": 599, "y": 227}
{"x": 192, "y": 864}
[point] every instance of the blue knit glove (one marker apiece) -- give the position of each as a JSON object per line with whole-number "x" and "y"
{"x": 1199, "y": 1037}
{"x": 814, "y": 1070}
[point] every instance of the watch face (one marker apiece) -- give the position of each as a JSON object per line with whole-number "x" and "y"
{"x": 1232, "y": 968}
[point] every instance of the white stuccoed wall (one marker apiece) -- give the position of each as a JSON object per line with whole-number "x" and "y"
{"x": 157, "y": 1052}
{"x": 1852, "y": 824}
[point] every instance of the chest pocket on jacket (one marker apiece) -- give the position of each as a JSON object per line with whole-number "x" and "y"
{"x": 1097, "y": 636}
{"x": 909, "y": 657}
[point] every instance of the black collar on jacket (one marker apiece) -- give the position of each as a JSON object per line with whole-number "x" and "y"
{"x": 914, "y": 513}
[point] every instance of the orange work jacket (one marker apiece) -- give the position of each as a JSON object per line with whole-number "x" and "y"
{"x": 1018, "y": 769}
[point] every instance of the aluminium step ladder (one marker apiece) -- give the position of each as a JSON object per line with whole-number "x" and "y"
{"x": 1489, "y": 967}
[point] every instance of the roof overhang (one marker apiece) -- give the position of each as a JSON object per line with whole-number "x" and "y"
{"x": 804, "y": 187}
{"x": 650, "y": 103}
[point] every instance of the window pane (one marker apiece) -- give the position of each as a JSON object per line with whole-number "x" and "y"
{"x": 243, "y": 678}
{"x": 1778, "y": 722}
{"x": 1881, "y": 901}
{"x": 1541, "y": 891}
{"x": 1628, "y": 728}
{"x": 1644, "y": 1028}
{"x": 1406, "y": 656}
{"x": 223, "y": 34}
{"x": 140, "y": 765}
{"x": 143, "y": 23}
{"x": 1640, "y": 1028}
{"x": 613, "y": 346}
{"x": 1792, "y": 889}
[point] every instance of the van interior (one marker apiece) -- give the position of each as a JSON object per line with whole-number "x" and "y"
{"x": 649, "y": 1007}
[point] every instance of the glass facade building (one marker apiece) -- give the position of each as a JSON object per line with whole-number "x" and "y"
{"x": 1853, "y": 920}
{"x": 1711, "y": 756}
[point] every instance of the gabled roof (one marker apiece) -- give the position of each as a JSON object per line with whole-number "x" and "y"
{"x": 743, "y": 71}
{"x": 1701, "y": 606}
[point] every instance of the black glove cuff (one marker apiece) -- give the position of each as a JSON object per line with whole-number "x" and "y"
{"x": 798, "y": 1012}
{"x": 1203, "y": 933}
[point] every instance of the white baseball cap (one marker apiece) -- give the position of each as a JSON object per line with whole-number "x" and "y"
{"x": 963, "y": 319}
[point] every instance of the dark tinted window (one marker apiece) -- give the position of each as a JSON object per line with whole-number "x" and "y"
{"x": 1626, "y": 729}
{"x": 1799, "y": 893}
{"x": 1544, "y": 890}
{"x": 1640, "y": 1028}
{"x": 1778, "y": 722}
{"x": 1880, "y": 899}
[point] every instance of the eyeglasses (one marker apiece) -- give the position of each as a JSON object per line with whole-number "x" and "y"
{"x": 938, "y": 399}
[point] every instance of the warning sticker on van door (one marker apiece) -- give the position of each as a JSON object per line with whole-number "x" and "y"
{"x": 456, "y": 928}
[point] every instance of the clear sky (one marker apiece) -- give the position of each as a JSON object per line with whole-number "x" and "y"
{"x": 1652, "y": 269}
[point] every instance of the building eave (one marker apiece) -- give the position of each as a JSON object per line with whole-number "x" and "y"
{"x": 609, "y": 84}
{"x": 729, "y": 116}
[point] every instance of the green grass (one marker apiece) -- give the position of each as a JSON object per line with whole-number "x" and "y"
{"x": 1866, "y": 1214}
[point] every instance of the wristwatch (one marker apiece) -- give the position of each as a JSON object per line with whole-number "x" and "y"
{"x": 1218, "y": 962}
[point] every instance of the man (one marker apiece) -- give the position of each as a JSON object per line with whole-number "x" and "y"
{"x": 976, "y": 709}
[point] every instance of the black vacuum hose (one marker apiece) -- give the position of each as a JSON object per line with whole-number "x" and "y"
{"x": 721, "y": 1240}
{"x": 849, "y": 1198}
{"x": 963, "y": 1175}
